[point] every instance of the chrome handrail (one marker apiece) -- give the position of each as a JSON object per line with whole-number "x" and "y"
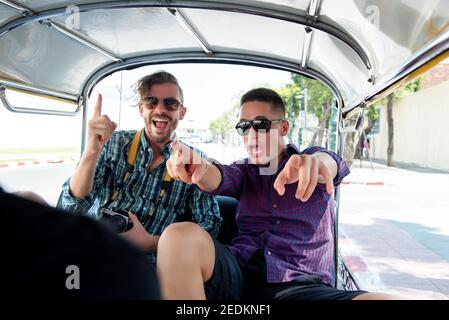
{"x": 17, "y": 109}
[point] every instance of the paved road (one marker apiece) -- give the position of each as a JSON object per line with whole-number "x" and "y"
{"x": 46, "y": 179}
{"x": 400, "y": 229}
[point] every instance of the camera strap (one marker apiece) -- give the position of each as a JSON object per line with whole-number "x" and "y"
{"x": 165, "y": 186}
{"x": 131, "y": 160}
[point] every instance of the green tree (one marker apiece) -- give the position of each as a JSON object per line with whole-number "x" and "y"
{"x": 223, "y": 125}
{"x": 389, "y": 101}
{"x": 306, "y": 93}
{"x": 318, "y": 97}
{"x": 291, "y": 96}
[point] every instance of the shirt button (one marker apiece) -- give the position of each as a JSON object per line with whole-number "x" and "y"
{"x": 278, "y": 222}
{"x": 275, "y": 206}
{"x": 269, "y": 252}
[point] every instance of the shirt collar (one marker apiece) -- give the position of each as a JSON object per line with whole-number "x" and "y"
{"x": 143, "y": 141}
{"x": 166, "y": 150}
{"x": 292, "y": 149}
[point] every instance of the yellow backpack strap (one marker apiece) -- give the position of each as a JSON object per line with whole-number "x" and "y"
{"x": 165, "y": 184}
{"x": 132, "y": 156}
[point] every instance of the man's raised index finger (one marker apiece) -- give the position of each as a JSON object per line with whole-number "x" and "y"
{"x": 97, "y": 110}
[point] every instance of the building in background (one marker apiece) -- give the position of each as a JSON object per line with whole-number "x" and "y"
{"x": 421, "y": 127}
{"x": 193, "y": 132}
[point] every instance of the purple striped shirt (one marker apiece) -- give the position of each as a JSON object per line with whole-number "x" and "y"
{"x": 295, "y": 237}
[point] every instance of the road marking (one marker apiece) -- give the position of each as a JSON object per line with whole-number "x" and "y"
{"x": 377, "y": 183}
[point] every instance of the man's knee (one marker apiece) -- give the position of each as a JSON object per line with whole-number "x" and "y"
{"x": 182, "y": 235}
{"x": 187, "y": 246}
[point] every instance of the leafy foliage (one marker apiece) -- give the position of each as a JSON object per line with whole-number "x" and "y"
{"x": 224, "y": 124}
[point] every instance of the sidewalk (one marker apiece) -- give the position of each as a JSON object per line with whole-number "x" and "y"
{"x": 395, "y": 233}
{"x": 32, "y": 159}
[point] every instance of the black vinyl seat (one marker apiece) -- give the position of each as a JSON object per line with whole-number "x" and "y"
{"x": 228, "y": 229}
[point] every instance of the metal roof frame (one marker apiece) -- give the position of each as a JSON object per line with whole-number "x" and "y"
{"x": 433, "y": 52}
{"x": 307, "y": 18}
{"x": 294, "y": 16}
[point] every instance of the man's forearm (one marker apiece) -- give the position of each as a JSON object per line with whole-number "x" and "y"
{"x": 142, "y": 240}
{"x": 211, "y": 179}
{"x": 329, "y": 162}
{"x": 81, "y": 182}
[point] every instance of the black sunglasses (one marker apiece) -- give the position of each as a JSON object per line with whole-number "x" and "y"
{"x": 259, "y": 124}
{"x": 170, "y": 104}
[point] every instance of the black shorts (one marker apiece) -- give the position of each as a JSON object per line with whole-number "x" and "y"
{"x": 230, "y": 282}
{"x": 295, "y": 291}
{"x": 226, "y": 281}
{"x": 306, "y": 287}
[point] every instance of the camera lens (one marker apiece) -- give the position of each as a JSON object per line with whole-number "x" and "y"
{"x": 117, "y": 223}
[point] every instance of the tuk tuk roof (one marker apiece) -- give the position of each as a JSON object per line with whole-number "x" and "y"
{"x": 356, "y": 47}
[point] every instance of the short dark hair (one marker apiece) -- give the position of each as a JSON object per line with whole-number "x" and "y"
{"x": 265, "y": 95}
{"x": 159, "y": 77}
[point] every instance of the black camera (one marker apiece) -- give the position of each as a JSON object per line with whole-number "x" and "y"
{"x": 118, "y": 221}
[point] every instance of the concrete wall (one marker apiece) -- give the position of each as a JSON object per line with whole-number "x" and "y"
{"x": 421, "y": 129}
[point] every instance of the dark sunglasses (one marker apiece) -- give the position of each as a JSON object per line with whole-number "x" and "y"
{"x": 259, "y": 124}
{"x": 170, "y": 104}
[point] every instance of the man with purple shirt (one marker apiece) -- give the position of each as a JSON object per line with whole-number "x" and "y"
{"x": 284, "y": 246}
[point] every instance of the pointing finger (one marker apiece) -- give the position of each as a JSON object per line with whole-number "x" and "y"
{"x": 324, "y": 172}
{"x": 312, "y": 183}
{"x": 279, "y": 183}
{"x": 97, "y": 109}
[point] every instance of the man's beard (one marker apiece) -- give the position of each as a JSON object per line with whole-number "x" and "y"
{"x": 157, "y": 137}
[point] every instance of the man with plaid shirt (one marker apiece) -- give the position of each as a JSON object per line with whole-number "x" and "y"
{"x": 99, "y": 179}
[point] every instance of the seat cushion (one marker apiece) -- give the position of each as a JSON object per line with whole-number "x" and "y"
{"x": 228, "y": 207}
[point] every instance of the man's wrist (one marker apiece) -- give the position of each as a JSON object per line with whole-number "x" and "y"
{"x": 91, "y": 155}
{"x": 151, "y": 243}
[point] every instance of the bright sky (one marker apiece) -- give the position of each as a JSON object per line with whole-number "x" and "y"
{"x": 209, "y": 90}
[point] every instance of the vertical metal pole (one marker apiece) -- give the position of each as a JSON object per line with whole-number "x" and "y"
{"x": 333, "y": 124}
{"x": 340, "y": 151}
{"x": 84, "y": 124}
{"x": 121, "y": 93}
{"x": 305, "y": 107}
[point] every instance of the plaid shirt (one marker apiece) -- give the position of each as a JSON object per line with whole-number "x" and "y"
{"x": 295, "y": 237}
{"x": 141, "y": 189}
